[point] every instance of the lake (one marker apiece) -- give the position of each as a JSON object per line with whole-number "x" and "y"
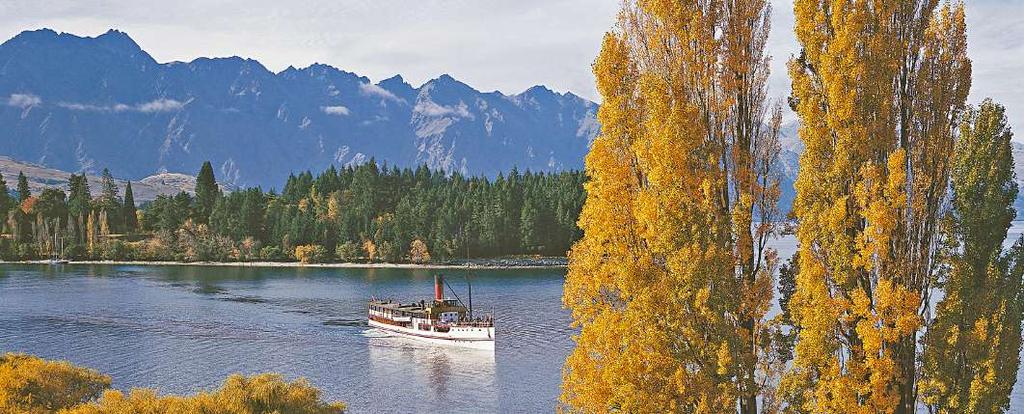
{"x": 180, "y": 329}
{"x": 183, "y": 328}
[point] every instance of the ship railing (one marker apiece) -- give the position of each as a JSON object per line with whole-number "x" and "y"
{"x": 475, "y": 324}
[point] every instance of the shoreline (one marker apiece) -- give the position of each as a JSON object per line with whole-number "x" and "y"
{"x": 545, "y": 263}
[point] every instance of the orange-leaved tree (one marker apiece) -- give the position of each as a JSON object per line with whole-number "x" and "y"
{"x": 672, "y": 279}
{"x": 879, "y": 87}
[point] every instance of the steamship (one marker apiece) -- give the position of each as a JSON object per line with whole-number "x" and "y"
{"x": 444, "y": 320}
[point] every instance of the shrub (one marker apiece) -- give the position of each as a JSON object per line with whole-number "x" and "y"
{"x": 418, "y": 252}
{"x": 311, "y": 253}
{"x": 249, "y": 249}
{"x": 265, "y": 393}
{"x": 25, "y": 251}
{"x": 197, "y": 243}
{"x": 272, "y": 253}
{"x": 32, "y": 385}
{"x": 114, "y": 250}
{"x": 370, "y": 249}
{"x": 347, "y": 252}
{"x": 387, "y": 252}
{"x": 76, "y": 251}
{"x": 6, "y": 250}
{"x": 35, "y": 386}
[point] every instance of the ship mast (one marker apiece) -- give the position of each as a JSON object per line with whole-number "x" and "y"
{"x": 468, "y": 283}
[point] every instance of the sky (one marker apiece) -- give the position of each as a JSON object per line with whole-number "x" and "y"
{"x": 506, "y": 45}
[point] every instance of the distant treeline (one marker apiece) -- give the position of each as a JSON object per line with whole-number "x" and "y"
{"x": 359, "y": 213}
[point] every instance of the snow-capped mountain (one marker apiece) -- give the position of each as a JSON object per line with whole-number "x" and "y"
{"x": 85, "y": 103}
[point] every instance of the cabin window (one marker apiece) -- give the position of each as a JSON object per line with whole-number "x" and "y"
{"x": 449, "y": 317}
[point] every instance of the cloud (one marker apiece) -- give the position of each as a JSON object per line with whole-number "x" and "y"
{"x": 158, "y": 105}
{"x": 335, "y": 110}
{"x": 429, "y": 108}
{"x": 370, "y": 89}
{"x": 21, "y": 100}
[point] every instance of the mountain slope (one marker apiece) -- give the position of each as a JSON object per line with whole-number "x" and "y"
{"x": 40, "y": 177}
{"x": 82, "y": 104}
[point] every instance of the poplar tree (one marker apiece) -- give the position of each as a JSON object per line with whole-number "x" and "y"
{"x": 672, "y": 279}
{"x": 879, "y": 87}
{"x": 972, "y": 347}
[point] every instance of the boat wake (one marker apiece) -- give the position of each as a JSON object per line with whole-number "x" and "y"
{"x": 374, "y": 333}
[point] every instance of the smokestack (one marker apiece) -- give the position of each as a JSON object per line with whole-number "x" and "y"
{"x": 438, "y": 288}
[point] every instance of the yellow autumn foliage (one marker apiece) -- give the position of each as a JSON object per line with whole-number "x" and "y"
{"x": 672, "y": 279}
{"x": 876, "y": 86}
{"x": 31, "y": 385}
{"x": 264, "y": 393}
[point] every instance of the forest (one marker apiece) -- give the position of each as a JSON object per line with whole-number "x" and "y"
{"x": 364, "y": 213}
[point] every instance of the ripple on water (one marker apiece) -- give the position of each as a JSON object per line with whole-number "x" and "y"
{"x": 181, "y": 330}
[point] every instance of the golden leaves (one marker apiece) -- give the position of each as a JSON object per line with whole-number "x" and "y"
{"x": 667, "y": 284}
{"x": 870, "y": 189}
{"x": 31, "y": 385}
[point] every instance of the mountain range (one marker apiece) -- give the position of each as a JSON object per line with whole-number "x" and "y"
{"x": 82, "y": 104}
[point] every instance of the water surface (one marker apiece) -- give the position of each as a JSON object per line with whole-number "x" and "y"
{"x": 184, "y": 328}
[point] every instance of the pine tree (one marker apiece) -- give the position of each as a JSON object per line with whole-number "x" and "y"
{"x": 528, "y": 225}
{"x": 206, "y": 193}
{"x": 109, "y": 202}
{"x": 79, "y": 206}
{"x": 109, "y": 192}
{"x": 131, "y": 221}
{"x": 972, "y": 347}
{"x": 878, "y": 87}
{"x": 6, "y": 203}
{"x": 23, "y": 191}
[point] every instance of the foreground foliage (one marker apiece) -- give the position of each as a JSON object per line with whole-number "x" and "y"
{"x": 904, "y": 197}
{"x": 972, "y": 348}
{"x": 878, "y": 87}
{"x": 672, "y": 280}
{"x": 31, "y": 385}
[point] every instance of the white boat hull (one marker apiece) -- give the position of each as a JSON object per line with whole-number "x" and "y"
{"x": 482, "y": 338}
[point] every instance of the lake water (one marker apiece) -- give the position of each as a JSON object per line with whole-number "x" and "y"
{"x": 180, "y": 329}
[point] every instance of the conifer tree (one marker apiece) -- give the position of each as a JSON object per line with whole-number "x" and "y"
{"x": 23, "y": 191}
{"x": 878, "y": 87}
{"x": 6, "y": 203}
{"x": 131, "y": 222}
{"x": 109, "y": 191}
{"x": 972, "y": 347}
{"x": 206, "y": 193}
{"x": 79, "y": 205}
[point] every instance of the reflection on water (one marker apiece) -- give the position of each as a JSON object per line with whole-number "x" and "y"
{"x": 438, "y": 367}
{"x": 185, "y": 328}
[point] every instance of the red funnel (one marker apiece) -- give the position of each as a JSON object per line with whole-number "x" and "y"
{"x": 438, "y": 288}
